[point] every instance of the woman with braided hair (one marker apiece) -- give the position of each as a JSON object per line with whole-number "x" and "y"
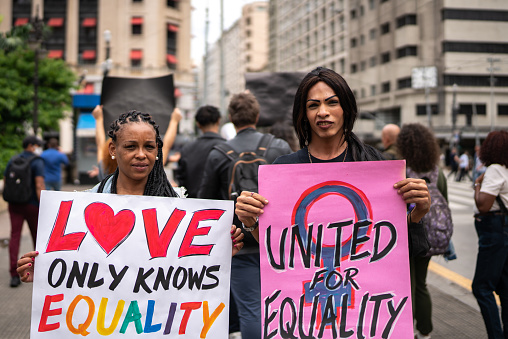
{"x": 137, "y": 147}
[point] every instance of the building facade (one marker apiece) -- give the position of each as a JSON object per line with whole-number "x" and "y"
{"x": 245, "y": 50}
{"x": 438, "y": 62}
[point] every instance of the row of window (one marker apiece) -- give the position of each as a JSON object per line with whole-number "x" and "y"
{"x": 169, "y": 3}
{"x": 360, "y": 11}
{"x": 385, "y": 58}
{"x": 404, "y": 20}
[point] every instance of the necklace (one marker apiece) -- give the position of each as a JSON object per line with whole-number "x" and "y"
{"x": 343, "y": 160}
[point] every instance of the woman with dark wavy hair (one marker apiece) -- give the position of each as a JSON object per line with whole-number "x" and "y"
{"x": 324, "y": 112}
{"x": 418, "y": 146}
{"x": 491, "y": 223}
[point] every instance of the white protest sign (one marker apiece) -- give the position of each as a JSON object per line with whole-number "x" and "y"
{"x": 131, "y": 266}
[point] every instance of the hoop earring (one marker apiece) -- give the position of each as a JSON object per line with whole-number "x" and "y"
{"x": 113, "y": 157}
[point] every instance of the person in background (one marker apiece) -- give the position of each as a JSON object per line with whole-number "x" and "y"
{"x": 478, "y": 166}
{"x": 53, "y": 161}
{"x": 464, "y": 166}
{"x": 245, "y": 271}
{"x": 418, "y": 146}
{"x": 190, "y": 166}
{"x": 389, "y": 135}
{"x": 28, "y": 211}
{"x": 284, "y": 131}
{"x": 454, "y": 162}
{"x": 491, "y": 223}
{"x": 105, "y": 165}
{"x": 137, "y": 147}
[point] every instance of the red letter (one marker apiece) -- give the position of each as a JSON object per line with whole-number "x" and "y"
{"x": 46, "y": 312}
{"x": 158, "y": 245}
{"x": 58, "y": 241}
{"x": 187, "y": 248}
{"x": 188, "y": 307}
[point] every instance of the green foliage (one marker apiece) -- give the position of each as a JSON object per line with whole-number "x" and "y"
{"x": 17, "y": 64}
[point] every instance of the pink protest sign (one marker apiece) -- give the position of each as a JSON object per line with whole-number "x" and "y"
{"x": 334, "y": 251}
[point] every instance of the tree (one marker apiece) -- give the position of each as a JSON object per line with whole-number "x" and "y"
{"x": 17, "y": 91}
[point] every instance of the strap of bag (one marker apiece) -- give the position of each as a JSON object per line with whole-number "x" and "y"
{"x": 225, "y": 149}
{"x": 100, "y": 189}
{"x": 501, "y": 205}
{"x": 264, "y": 144}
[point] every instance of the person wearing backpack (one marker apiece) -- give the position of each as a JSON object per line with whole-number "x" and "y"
{"x": 419, "y": 147}
{"x": 23, "y": 183}
{"x": 491, "y": 224}
{"x": 231, "y": 167}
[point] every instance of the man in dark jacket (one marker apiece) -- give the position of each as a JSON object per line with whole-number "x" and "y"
{"x": 245, "y": 277}
{"x": 190, "y": 166}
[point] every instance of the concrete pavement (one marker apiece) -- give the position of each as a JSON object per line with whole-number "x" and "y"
{"x": 455, "y": 312}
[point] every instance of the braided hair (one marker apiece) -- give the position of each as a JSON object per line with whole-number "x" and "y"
{"x": 157, "y": 184}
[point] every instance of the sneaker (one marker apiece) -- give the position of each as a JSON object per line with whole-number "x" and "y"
{"x": 15, "y": 281}
{"x": 418, "y": 335}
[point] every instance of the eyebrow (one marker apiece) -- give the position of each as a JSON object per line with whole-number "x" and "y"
{"x": 315, "y": 100}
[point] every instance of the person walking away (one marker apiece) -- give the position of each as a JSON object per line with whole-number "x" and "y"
{"x": 454, "y": 162}
{"x": 24, "y": 172}
{"x": 191, "y": 164}
{"x": 420, "y": 149}
{"x": 389, "y": 135}
{"x": 464, "y": 166}
{"x": 53, "y": 161}
{"x": 491, "y": 223}
{"x": 245, "y": 271}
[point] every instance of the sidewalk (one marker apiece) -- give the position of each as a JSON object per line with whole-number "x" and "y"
{"x": 455, "y": 312}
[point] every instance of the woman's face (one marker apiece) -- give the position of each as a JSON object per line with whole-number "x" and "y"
{"x": 135, "y": 150}
{"x": 324, "y": 112}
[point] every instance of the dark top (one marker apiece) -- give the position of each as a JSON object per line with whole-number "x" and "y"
{"x": 417, "y": 238}
{"x": 192, "y": 162}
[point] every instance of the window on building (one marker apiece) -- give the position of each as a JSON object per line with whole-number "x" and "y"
{"x": 363, "y": 65}
{"x": 474, "y": 80}
{"x": 381, "y": 1}
{"x": 362, "y": 40}
{"x": 353, "y": 14}
{"x": 407, "y": 51}
{"x": 407, "y": 19}
{"x": 354, "y": 68}
{"x": 385, "y": 58}
{"x": 362, "y": 92}
{"x": 342, "y": 65}
{"x": 475, "y": 14}
{"x": 373, "y": 34}
{"x": 467, "y": 109}
{"x": 247, "y": 46}
{"x": 385, "y": 87}
{"x": 88, "y": 57}
{"x": 502, "y": 109}
{"x": 248, "y": 33}
{"x": 373, "y": 61}
{"x": 372, "y": 4}
{"x": 247, "y": 21}
{"x": 136, "y": 57}
{"x": 372, "y": 90}
{"x": 323, "y": 11}
{"x": 137, "y": 25}
{"x": 421, "y": 109}
{"x": 137, "y": 0}
{"x": 354, "y": 42}
{"x": 332, "y": 46}
{"x": 404, "y": 83}
{"x": 362, "y": 11}
{"x": 475, "y": 47}
{"x": 385, "y": 28}
{"x": 172, "y": 3}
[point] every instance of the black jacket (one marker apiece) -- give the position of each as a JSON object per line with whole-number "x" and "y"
{"x": 192, "y": 162}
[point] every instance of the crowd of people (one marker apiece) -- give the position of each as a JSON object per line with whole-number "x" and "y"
{"x": 324, "y": 114}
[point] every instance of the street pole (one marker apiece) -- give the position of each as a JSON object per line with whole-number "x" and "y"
{"x": 36, "y": 39}
{"x": 491, "y": 69}
{"x": 454, "y": 114}
{"x": 222, "y": 98}
{"x": 205, "y": 70}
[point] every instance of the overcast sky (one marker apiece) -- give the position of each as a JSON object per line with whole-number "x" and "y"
{"x": 232, "y": 12}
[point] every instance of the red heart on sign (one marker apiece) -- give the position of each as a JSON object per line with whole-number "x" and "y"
{"x": 108, "y": 229}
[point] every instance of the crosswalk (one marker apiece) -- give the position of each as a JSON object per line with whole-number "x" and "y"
{"x": 460, "y": 195}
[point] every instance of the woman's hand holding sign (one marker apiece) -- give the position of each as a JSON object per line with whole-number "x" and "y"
{"x": 415, "y": 191}
{"x": 249, "y": 206}
{"x": 26, "y": 266}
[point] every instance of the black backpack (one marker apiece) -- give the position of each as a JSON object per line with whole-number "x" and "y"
{"x": 243, "y": 168}
{"x": 18, "y": 180}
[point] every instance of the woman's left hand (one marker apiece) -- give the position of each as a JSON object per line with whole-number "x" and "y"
{"x": 415, "y": 191}
{"x": 236, "y": 239}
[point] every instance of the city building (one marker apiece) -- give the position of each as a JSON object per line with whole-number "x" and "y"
{"x": 245, "y": 50}
{"x": 121, "y": 38}
{"x": 407, "y": 61}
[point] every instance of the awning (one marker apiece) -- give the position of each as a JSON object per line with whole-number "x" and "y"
{"x": 173, "y": 28}
{"x": 171, "y": 59}
{"x": 89, "y": 22}
{"x": 136, "y": 54}
{"x": 21, "y": 21}
{"x": 137, "y": 20}
{"x": 55, "y": 22}
{"x": 55, "y": 54}
{"x": 86, "y": 125}
{"x": 89, "y": 54}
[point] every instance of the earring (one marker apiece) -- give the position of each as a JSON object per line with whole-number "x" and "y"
{"x": 156, "y": 158}
{"x": 113, "y": 157}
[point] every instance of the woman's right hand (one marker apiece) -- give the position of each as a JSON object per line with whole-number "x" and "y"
{"x": 26, "y": 266}
{"x": 249, "y": 206}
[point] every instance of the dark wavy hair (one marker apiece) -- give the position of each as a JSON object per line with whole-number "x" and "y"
{"x": 494, "y": 149}
{"x": 342, "y": 90}
{"x": 417, "y": 144}
{"x": 243, "y": 109}
{"x": 157, "y": 184}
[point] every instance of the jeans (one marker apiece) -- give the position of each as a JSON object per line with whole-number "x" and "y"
{"x": 491, "y": 272}
{"x": 53, "y": 185}
{"x": 422, "y": 304}
{"x": 246, "y": 290}
{"x": 18, "y": 214}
